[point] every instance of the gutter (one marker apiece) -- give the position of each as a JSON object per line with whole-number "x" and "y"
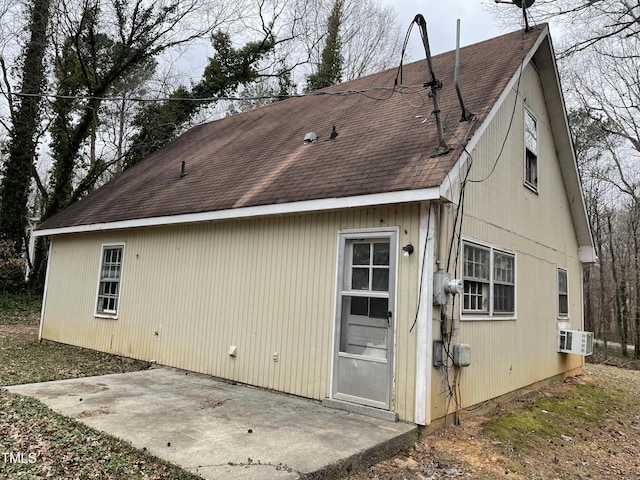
{"x": 307, "y": 206}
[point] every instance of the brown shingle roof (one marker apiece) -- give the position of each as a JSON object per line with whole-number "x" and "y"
{"x": 259, "y": 158}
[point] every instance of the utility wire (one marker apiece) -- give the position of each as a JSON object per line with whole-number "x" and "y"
{"x": 513, "y": 113}
{"x": 366, "y": 91}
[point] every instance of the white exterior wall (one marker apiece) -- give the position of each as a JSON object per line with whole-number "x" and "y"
{"x": 265, "y": 285}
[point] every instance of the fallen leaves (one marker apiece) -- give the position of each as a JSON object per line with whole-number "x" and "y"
{"x": 64, "y": 448}
{"x": 602, "y": 443}
{"x": 40, "y": 443}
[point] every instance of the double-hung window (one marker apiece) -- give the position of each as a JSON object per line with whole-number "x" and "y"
{"x": 563, "y": 293}
{"x": 110, "y": 276}
{"x": 531, "y": 150}
{"x": 489, "y": 281}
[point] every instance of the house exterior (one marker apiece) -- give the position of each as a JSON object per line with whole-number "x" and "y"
{"x": 316, "y": 268}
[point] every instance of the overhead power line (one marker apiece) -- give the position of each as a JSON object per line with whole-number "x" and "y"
{"x": 402, "y": 89}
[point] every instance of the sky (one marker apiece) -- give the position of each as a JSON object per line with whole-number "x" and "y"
{"x": 477, "y": 22}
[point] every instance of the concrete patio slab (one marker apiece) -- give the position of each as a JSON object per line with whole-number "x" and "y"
{"x": 222, "y": 431}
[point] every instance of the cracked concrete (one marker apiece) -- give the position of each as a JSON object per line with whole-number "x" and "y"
{"x": 222, "y": 431}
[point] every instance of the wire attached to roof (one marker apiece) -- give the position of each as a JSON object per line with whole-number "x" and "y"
{"x": 434, "y": 84}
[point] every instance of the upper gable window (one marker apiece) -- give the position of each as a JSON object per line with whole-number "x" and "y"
{"x": 109, "y": 279}
{"x": 531, "y": 150}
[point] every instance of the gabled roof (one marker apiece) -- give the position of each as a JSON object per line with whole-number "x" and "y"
{"x": 257, "y": 162}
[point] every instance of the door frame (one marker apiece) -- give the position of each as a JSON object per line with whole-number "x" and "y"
{"x": 391, "y": 233}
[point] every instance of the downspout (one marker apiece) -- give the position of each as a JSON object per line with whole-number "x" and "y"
{"x": 424, "y": 320}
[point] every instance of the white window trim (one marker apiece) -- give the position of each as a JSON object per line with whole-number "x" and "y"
{"x": 533, "y": 187}
{"x": 96, "y": 313}
{"x": 490, "y": 315}
{"x": 562, "y": 316}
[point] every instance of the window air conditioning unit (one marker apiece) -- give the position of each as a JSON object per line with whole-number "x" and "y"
{"x": 573, "y": 341}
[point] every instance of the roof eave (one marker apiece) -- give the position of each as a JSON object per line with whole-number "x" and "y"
{"x": 566, "y": 153}
{"x": 308, "y": 206}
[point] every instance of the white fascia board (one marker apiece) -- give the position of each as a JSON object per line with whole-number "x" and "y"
{"x": 570, "y": 173}
{"x": 307, "y": 206}
{"x": 452, "y": 182}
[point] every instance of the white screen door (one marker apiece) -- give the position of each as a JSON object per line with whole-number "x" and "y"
{"x": 363, "y": 357}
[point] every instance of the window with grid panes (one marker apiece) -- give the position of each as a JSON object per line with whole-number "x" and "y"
{"x": 531, "y": 150}
{"x": 476, "y": 279}
{"x": 109, "y": 281}
{"x": 489, "y": 281}
{"x": 563, "y": 293}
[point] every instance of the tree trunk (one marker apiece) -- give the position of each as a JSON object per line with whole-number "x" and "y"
{"x": 620, "y": 294}
{"x": 605, "y": 320}
{"x": 636, "y": 264}
{"x": 18, "y": 169}
{"x": 589, "y": 324}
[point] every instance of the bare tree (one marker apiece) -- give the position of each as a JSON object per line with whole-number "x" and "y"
{"x": 601, "y": 73}
{"x": 585, "y": 23}
{"x": 372, "y": 38}
{"x": 369, "y": 30}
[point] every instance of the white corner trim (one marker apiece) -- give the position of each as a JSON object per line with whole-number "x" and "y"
{"x": 424, "y": 330}
{"x": 307, "y": 206}
{"x": 44, "y": 293}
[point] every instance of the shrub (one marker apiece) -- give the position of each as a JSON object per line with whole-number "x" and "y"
{"x": 12, "y": 267}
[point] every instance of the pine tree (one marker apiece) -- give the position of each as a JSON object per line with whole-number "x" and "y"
{"x": 330, "y": 69}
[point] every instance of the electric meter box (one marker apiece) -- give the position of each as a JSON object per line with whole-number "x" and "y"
{"x": 462, "y": 355}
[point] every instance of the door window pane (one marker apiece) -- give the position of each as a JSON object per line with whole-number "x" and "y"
{"x": 360, "y": 279}
{"x": 379, "y": 307}
{"x": 359, "y": 306}
{"x": 361, "y": 254}
{"x": 381, "y": 254}
{"x": 368, "y": 306}
{"x": 380, "y": 279}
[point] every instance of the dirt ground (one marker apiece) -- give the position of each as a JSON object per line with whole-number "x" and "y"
{"x": 606, "y": 446}
{"x": 18, "y": 331}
